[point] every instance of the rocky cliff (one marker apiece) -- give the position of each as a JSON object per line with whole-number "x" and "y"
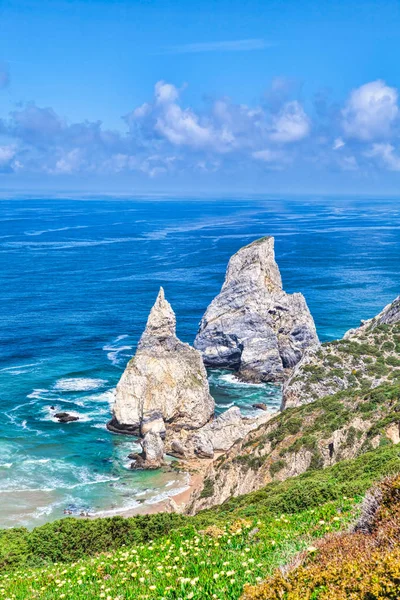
{"x": 164, "y": 387}
{"x": 253, "y": 326}
{"x": 299, "y": 439}
{"x": 364, "y": 358}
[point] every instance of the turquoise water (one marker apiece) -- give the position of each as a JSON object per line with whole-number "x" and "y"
{"x": 77, "y": 279}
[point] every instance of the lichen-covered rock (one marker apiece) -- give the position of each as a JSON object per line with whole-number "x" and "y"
{"x": 253, "y": 326}
{"x": 366, "y": 357}
{"x": 165, "y": 385}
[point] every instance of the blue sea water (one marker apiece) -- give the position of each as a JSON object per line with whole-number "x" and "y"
{"x": 77, "y": 280}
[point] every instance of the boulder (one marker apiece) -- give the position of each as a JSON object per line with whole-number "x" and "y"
{"x": 253, "y": 325}
{"x": 260, "y": 406}
{"x": 164, "y": 387}
{"x": 152, "y": 455}
{"x": 64, "y": 417}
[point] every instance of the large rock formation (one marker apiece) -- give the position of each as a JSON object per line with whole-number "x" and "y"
{"x": 165, "y": 385}
{"x": 253, "y": 326}
{"x": 365, "y": 358}
{"x": 218, "y": 435}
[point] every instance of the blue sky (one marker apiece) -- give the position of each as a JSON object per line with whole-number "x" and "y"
{"x": 211, "y": 96}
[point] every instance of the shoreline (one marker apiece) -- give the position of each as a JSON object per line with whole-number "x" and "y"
{"x": 174, "y": 503}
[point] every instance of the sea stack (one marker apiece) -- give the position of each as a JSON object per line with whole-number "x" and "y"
{"x": 164, "y": 388}
{"x": 253, "y": 326}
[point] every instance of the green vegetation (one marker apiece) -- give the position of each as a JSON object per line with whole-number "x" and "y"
{"x": 362, "y": 564}
{"x": 214, "y": 562}
{"x": 368, "y": 357}
{"x": 208, "y": 489}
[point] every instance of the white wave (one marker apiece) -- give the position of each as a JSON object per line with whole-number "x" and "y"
{"x": 19, "y": 369}
{"x": 6, "y": 465}
{"x": 36, "y": 461}
{"x": 116, "y": 511}
{"x": 120, "y": 337}
{"x": 231, "y": 378}
{"x": 113, "y": 354}
{"x": 165, "y": 495}
{"x": 40, "y": 232}
{"x": 37, "y": 393}
{"x": 99, "y": 426}
{"x": 113, "y": 349}
{"x": 107, "y": 396}
{"x": 228, "y": 405}
{"x": 70, "y": 245}
{"x": 54, "y": 484}
{"x": 78, "y": 384}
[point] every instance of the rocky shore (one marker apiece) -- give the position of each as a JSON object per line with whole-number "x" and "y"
{"x": 263, "y": 334}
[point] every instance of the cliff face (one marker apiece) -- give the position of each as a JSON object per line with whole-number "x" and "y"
{"x": 308, "y": 437}
{"x": 365, "y": 358}
{"x": 253, "y": 326}
{"x": 165, "y": 385}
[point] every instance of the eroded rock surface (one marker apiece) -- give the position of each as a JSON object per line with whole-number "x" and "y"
{"x": 253, "y": 325}
{"x": 220, "y": 434}
{"x": 152, "y": 455}
{"x": 164, "y": 387}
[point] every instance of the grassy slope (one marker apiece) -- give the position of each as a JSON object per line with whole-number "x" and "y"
{"x": 364, "y": 563}
{"x": 369, "y": 357}
{"x": 211, "y": 555}
{"x": 302, "y": 439}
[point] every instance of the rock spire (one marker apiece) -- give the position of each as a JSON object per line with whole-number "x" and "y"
{"x": 253, "y": 325}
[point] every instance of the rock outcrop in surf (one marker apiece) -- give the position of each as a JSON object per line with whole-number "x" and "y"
{"x": 164, "y": 387}
{"x": 163, "y": 397}
{"x": 253, "y": 326}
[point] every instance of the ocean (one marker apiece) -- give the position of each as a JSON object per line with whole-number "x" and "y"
{"x": 77, "y": 281}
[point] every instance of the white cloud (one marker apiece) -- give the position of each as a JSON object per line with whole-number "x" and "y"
{"x": 165, "y": 93}
{"x": 71, "y": 162}
{"x": 7, "y": 153}
{"x": 182, "y": 127}
{"x": 141, "y": 111}
{"x": 370, "y": 111}
{"x": 385, "y": 153}
{"x": 291, "y": 124}
{"x": 164, "y": 136}
{"x": 338, "y": 143}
